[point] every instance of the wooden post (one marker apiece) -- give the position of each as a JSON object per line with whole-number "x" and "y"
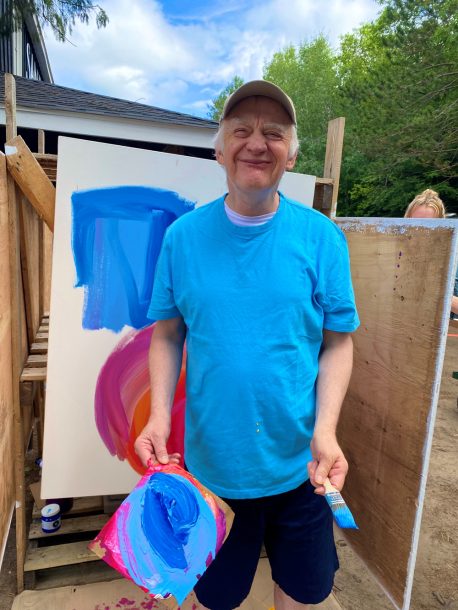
{"x": 16, "y": 342}
{"x": 16, "y": 332}
{"x": 333, "y": 159}
{"x": 7, "y": 487}
{"x": 10, "y": 106}
{"x": 31, "y": 179}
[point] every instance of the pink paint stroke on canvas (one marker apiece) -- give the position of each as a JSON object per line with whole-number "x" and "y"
{"x": 122, "y": 399}
{"x": 165, "y": 533}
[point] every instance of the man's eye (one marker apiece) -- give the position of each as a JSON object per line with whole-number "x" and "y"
{"x": 241, "y": 131}
{"x": 273, "y": 135}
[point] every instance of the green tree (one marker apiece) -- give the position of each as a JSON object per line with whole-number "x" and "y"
{"x": 60, "y": 15}
{"x": 216, "y": 107}
{"x": 398, "y": 89}
{"x": 308, "y": 75}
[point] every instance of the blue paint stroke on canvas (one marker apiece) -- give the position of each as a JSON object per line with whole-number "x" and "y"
{"x": 117, "y": 234}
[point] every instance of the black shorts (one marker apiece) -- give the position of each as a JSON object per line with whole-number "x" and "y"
{"x": 296, "y": 528}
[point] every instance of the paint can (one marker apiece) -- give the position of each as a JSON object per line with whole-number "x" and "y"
{"x": 50, "y": 518}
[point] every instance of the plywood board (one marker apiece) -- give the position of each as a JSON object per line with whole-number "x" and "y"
{"x": 6, "y": 393}
{"x": 78, "y": 463}
{"x": 403, "y": 271}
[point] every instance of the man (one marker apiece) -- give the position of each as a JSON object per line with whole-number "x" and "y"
{"x": 260, "y": 287}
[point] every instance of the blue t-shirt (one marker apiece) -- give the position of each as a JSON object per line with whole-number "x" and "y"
{"x": 255, "y": 301}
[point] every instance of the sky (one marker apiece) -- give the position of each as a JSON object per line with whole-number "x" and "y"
{"x": 179, "y": 54}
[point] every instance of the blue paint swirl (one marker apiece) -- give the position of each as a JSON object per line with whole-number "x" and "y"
{"x": 170, "y": 511}
{"x": 116, "y": 239}
{"x": 166, "y": 533}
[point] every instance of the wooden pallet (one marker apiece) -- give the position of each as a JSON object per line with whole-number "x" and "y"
{"x": 54, "y": 559}
{"x": 35, "y": 368}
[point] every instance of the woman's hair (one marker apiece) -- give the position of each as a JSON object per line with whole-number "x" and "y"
{"x": 428, "y": 198}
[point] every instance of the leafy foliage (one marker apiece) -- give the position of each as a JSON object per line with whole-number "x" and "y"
{"x": 215, "y": 109}
{"x": 396, "y": 82}
{"x": 308, "y": 75}
{"x": 60, "y": 15}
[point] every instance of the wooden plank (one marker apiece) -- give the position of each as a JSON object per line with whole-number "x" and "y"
{"x": 27, "y": 393}
{"x": 10, "y": 106}
{"x": 35, "y": 374}
{"x": 79, "y": 574}
{"x": 39, "y": 348}
{"x": 402, "y": 274}
{"x": 37, "y": 360}
{"x": 49, "y": 164}
{"x": 75, "y": 525}
{"x": 7, "y": 491}
{"x": 29, "y": 232}
{"x": 43, "y": 558}
{"x": 31, "y": 179}
{"x": 333, "y": 158}
{"x": 17, "y": 360}
{"x": 80, "y": 505}
{"x": 322, "y": 199}
{"x": 47, "y": 254}
{"x": 41, "y": 337}
{"x": 28, "y": 420}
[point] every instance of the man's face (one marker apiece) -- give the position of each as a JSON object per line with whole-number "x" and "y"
{"x": 256, "y": 140}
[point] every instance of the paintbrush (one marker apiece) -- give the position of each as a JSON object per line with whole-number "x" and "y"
{"x": 340, "y": 510}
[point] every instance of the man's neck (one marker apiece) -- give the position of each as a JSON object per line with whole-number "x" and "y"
{"x": 253, "y": 204}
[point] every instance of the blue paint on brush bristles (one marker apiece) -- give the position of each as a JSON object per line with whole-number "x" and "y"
{"x": 340, "y": 510}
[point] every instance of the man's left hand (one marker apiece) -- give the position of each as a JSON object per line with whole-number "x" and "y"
{"x": 328, "y": 461}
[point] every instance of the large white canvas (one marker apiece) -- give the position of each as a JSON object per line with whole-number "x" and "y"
{"x": 75, "y": 460}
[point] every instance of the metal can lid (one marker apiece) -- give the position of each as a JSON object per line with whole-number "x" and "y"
{"x": 50, "y": 510}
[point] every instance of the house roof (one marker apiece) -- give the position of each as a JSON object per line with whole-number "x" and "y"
{"x": 47, "y": 96}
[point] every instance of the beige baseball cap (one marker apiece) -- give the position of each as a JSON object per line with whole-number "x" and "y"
{"x": 259, "y": 87}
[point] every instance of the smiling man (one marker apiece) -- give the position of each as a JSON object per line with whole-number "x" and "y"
{"x": 259, "y": 286}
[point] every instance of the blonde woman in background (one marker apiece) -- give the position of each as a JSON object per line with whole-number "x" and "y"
{"x": 429, "y": 205}
{"x": 426, "y": 205}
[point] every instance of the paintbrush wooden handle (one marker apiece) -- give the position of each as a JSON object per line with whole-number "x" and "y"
{"x": 328, "y": 487}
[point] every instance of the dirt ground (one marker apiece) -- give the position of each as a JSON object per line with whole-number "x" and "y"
{"x": 436, "y": 574}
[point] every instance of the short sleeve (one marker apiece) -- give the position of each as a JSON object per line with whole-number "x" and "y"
{"x": 163, "y": 306}
{"x": 338, "y": 299}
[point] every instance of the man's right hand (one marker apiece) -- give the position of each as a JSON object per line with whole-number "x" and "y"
{"x": 150, "y": 445}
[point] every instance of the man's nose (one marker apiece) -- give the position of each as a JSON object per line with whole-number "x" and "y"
{"x": 257, "y": 142}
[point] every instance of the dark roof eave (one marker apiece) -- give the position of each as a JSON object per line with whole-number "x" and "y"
{"x": 40, "y": 95}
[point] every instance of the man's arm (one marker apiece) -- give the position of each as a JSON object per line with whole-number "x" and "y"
{"x": 335, "y": 365}
{"x": 165, "y": 356}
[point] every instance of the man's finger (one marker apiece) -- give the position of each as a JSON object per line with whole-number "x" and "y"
{"x": 322, "y": 472}
{"x": 161, "y": 454}
{"x": 144, "y": 453}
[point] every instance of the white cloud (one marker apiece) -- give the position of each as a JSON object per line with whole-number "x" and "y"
{"x": 182, "y": 63}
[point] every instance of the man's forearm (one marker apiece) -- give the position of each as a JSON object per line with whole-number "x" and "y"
{"x": 335, "y": 368}
{"x": 165, "y": 358}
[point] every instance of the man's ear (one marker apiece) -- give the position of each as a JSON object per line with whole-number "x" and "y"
{"x": 219, "y": 157}
{"x": 291, "y": 162}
